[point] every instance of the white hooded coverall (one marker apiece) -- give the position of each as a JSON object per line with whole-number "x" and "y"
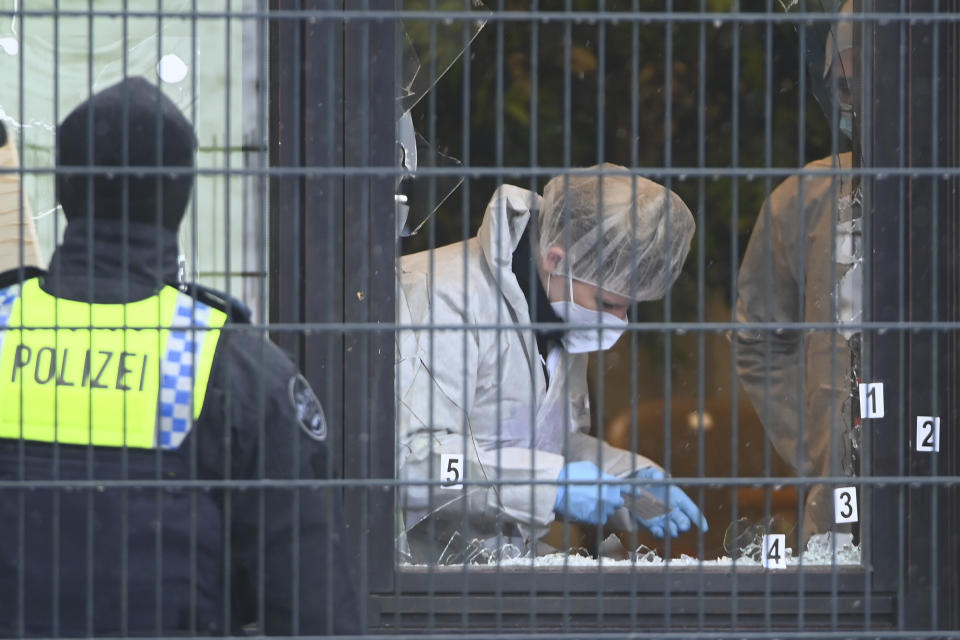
{"x": 480, "y": 392}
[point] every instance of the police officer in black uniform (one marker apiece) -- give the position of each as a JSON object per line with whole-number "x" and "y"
{"x": 114, "y": 522}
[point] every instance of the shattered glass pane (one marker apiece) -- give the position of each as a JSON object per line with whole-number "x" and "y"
{"x": 64, "y": 60}
{"x": 431, "y": 45}
{"x": 426, "y": 195}
{"x": 791, "y": 413}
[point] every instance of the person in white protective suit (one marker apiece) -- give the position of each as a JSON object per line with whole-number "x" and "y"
{"x": 803, "y": 263}
{"x": 503, "y": 407}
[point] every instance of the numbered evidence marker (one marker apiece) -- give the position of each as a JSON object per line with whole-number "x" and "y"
{"x": 845, "y": 504}
{"x": 871, "y": 400}
{"x": 451, "y": 471}
{"x": 928, "y": 433}
{"x": 773, "y": 553}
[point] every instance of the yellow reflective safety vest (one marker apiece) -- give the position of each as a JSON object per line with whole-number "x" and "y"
{"x": 112, "y": 375}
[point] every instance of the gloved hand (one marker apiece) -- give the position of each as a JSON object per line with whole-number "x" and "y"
{"x": 590, "y": 503}
{"x": 682, "y": 512}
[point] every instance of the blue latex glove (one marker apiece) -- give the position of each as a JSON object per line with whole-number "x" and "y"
{"x": 590, "y": 503}
{"x": 683, "y": 512}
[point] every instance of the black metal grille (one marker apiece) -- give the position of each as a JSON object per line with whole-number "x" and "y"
{"x": 309, "y": 208}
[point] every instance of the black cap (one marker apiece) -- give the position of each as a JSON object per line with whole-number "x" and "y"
{"x": 156, "y": 134}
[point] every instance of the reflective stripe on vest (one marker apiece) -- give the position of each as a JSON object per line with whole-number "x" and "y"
{"x": 138, "y": 378}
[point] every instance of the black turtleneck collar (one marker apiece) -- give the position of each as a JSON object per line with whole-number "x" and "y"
{"x": 540, "y": 310}
{"x": 112, "y": 266}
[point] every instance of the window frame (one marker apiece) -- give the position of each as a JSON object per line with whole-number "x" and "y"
{"x": 350, "y": 362}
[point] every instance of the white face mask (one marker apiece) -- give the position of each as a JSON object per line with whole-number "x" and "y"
{"x": 585, "y": 340}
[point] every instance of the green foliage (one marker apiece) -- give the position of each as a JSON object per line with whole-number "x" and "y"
{"x": 575, "y": 94}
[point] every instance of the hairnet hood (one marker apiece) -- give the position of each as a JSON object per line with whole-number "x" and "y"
{"x": 625, "y": 234}
{"x": 131, "y": 124}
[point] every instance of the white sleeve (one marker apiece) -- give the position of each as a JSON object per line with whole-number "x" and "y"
{"x": 436, "y": 387}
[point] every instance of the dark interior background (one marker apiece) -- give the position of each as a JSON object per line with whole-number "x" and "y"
{"x": 616, "y": 78}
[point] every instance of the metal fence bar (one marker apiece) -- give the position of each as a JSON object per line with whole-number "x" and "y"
{"x": 715, "y": 101}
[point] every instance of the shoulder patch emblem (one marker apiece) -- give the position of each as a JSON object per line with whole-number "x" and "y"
{"x": 307, "y": 407}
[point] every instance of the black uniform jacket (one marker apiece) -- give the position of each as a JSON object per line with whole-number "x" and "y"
{"x": 209, "y": 558}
